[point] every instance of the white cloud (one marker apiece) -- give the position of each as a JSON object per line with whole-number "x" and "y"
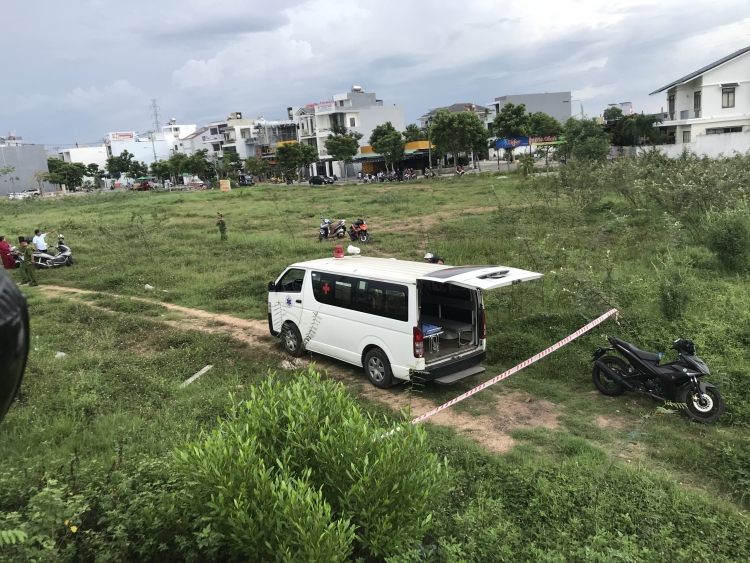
{"x": 117, "y": 93}
{"x": 205, "y": 59}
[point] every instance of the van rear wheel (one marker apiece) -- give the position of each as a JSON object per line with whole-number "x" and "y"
{"x": 378, "y": 369}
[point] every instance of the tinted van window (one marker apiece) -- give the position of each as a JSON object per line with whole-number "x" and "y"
{"x": 382, "y": 299}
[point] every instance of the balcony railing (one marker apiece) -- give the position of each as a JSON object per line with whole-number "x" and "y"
{"x": 697, "y": 113}
{"x": 685, "y": 114}
{"x": 671, "y": 116}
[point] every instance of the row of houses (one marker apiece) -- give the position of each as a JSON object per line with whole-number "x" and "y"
{"x": 707, "y": 112}
{"x": 357, "y": 110}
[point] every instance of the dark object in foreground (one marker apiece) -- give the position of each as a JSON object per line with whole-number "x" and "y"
{"x": 14, "y": 340}
{"x": 675, "y": 381}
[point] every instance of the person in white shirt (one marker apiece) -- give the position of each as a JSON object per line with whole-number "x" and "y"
{"x": 39, "y": 243}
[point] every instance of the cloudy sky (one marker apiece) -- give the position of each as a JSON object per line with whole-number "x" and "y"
{"x": 73, "y": 71}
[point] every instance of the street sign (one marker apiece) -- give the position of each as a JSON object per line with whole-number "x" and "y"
{"x": 512, "y": 142}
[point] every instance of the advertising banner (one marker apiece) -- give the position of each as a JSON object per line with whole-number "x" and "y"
{"x": 512, "y": 142}
{"x": 126, "y": 136}
{"x": 225, "y": 186}
{"x": 549, "y": 140}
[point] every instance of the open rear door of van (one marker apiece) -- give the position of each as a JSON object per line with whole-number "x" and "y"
{"x": 481, "y": 277}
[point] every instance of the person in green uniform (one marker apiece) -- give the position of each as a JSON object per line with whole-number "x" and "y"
{"x": 222, "y": 226}
{"x": 28, "y": 270}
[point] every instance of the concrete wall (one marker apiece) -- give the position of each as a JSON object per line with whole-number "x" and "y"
{"x": 86, "y": 155}
{"x": 143, "y": 151}
{"x": 709, "y": 145}
{"x": 371, "y": 117}
{"x": 27, "y": 160}
{"x": 556, "y": 104}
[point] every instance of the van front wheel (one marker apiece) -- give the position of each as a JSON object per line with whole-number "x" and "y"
{"x": 378, "y": 369}
{"x": 292, "y": 339}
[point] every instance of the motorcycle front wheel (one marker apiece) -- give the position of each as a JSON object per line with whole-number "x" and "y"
{"x": 606, "y": 385}
{"x": 705, "y": 407}
{"x": 320, "y": 237}
{"x": 364, "y": 238}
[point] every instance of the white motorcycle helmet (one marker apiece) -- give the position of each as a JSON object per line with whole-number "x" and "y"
{"x": 429, "y": 256}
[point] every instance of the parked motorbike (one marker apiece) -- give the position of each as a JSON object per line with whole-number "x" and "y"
{"x": 48, "y": 259}
{"x": 331, "y": 229}
{"x": 674, "y": 381}
{"x": 358, "y": 231}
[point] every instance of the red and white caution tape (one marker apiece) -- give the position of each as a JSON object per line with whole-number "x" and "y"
{"x": 519, "y": 367}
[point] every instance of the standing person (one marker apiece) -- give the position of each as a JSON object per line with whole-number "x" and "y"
{"x": 28, "y": 270}
{"x": 39, "y": 243}
{"x": 222, "y": 226}
{"x": 5, "y": 255}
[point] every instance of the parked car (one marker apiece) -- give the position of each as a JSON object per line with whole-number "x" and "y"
{"x": 245, "y": 180}
{"x": 320, "y": 180}
{"x": 24, "y": 194}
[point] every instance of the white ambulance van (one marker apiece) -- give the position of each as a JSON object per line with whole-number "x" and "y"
{"x": 393, "y": 317}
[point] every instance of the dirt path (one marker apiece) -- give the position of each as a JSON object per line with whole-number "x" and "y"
{"x": 515, "y": 410}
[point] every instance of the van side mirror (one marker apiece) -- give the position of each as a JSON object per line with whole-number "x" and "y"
{"x": 272, "y": 286}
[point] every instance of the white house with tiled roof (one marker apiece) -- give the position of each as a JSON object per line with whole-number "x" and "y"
{"x": 710, "y": 101}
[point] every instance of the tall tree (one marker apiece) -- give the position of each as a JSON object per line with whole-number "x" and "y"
{"x": 137, "y": 169}
{"x": 414, "y": 133}
{"x": 637, "y": 130}
{"x": 585, "y": 139}
{"x": 178, "y": 165}
{"x": 69, "y": 173}
{"x": 512, "y": 121}
{"x": 458, "y": 132}
{"x": 255, "y": 166}
{"x": 161, "y": 169}
{"x": 343, "y": 144}
{"x": 389, "y": 142}
{"x": 117, "y": 165}
{"x": 543, "y": 125}
{"x": 612, "y": 113}
{"x": 292, "y": 157}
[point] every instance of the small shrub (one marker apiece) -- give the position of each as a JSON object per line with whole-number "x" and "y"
{"x": 675, "y": 287}
{"x": 298, "y": 469}
{"x": 728, "y": 236}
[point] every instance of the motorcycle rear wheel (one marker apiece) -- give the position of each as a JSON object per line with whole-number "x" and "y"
{"x": 709, "y": 412}
{"x": 604, "y": 384}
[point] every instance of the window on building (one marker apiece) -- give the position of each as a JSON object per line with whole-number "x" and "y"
{"x": 697, "y": 104}
{"x": 214, "y": 131}
{"x": 670, "y": 103}
{"x": 686, "y": 136}
{"x": 216, "y": 147}
{"x": 727, "y": 97}
{"x": 352, "y": 121}
{"x": 720, "y": 130}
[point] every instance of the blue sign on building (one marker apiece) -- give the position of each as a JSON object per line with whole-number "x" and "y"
{"x": 512, "y": 143}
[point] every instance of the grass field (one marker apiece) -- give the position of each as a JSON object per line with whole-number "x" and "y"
{"x": 580, "y": 477}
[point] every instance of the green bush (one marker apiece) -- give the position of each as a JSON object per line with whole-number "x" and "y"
{"x": 728, "y": 236}
{"x": 675, "y": 287}
{"x": 296, "y": 471}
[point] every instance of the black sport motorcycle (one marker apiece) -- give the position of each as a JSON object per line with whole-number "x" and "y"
{"x": 674, "y": 381}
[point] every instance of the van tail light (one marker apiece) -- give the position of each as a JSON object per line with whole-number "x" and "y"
{"x": 418, "y": 342}
{"x": 484, "y": 325}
